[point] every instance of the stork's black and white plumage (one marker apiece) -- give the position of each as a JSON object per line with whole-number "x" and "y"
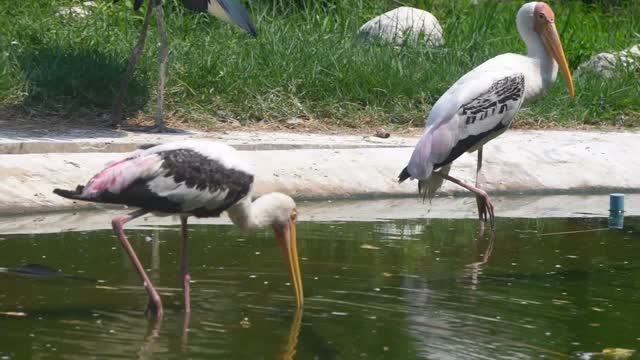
{"x": 191, "y": 178}
{"x": 482, "y": 104}
{"x": 230, "y": 11}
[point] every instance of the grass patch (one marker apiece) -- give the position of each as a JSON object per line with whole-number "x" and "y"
{"x": 305, "y": 62}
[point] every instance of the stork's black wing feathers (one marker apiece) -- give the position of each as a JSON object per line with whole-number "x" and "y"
{"x": 199, "y": 172}
{"x": 504, "y": 95}
{"x": 404, "y": 175}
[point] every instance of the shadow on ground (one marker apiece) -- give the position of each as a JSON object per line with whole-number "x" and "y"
{"x": 67, "y": 81}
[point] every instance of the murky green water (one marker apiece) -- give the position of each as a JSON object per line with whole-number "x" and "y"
{"x": 402, "y": 289}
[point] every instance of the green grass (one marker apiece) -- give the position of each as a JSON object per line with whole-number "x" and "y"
{"x": 304, "y": 63}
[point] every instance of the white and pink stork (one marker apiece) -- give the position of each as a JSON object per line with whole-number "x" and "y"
{"x": 482, "y": 104}
{"x": 191, "y": 178}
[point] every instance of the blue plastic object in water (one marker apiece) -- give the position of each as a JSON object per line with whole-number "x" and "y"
{"x": 616, "y": 202}
{"x": 616, "y": 211}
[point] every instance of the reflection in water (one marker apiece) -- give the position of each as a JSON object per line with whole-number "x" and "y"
{"x": 406, "y": 289}
{"x": 474, "y": 269}
{"x": 292, "y": 339}
{"x": 153, "y": 332}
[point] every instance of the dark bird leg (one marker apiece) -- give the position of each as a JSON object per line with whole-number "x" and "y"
{"x": 116, "y": 113}
{"x": 184, "y": 268}
{"x": 482, "y": 210}
{"x": 486, "y": 204}
{"x": 155, "y": 304}
{"x": 164, "y": 55}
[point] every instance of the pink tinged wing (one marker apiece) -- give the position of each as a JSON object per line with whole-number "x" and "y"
{"x": 120, "y": 174}
{"x": 419, "y": 163}
{"x": 433, "y": 148}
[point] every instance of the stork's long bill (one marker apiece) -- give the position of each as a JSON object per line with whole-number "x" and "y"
{"x": 286, "y": 235}
{"x": 545, "y": 26}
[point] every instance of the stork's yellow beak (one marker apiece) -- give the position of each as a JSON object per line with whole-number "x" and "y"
{"x": 286, "y": 235}
{"x": 551, "y": 41}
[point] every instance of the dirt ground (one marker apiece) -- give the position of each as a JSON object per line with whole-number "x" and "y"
{"x": 17, "y": 118}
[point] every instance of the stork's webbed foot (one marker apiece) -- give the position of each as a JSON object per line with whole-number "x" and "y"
{"x": 485, "y": 210}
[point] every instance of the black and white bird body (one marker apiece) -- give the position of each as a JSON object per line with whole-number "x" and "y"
{"x": 191, "y": 178}
{"x": 483, "y": 103}
{"x": 230, "y": 11}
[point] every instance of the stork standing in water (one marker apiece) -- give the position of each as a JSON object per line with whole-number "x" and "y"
{"x": 191, "y": 178}
{"x": 227, "y": 10}
{"x": 482, "y": 104}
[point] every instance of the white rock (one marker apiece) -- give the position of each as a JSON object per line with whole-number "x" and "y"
{"x": 605, "y": 63}
{"x": 404, "y": 24}
{"x": 77, "y": 11}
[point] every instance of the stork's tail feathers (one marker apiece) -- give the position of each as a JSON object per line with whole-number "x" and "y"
{"x": 71, "y": 194}
{"x": 427, "y": 188}
{"x": 404, "y": 175}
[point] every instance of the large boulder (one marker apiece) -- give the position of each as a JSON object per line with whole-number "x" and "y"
{"x": 78, "y": 11}
{"x": 605, "y": 63}
{"x": 404, "y": 24}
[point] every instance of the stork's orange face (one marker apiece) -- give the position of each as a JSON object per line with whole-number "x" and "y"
{"x": 544, "y": 25}
{"x": 287, "y": 237}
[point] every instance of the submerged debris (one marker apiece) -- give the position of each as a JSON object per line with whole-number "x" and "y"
{"x": 13, "y": 313}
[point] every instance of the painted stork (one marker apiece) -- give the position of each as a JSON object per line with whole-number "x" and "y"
{"x": 229, "y": 11}
{"x": 482, "y": 104}
{"x": 191, "y": 178}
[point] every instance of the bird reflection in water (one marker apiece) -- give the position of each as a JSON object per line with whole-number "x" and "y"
{"x": 474, "y": 270}
{"x": 155, "y": 324}
{"x": 292, "y": 340}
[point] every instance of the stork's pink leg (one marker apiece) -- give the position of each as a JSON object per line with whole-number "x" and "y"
{"x": 482, "y": 210}
{"x": 485, "y": 201}
{"x": 184, "y": 269}
{"x": 155, "y": 304}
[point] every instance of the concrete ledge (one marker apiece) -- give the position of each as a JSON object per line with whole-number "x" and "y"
{"x": 348, "y": 167}
{"x": 106, "y": 141}
{"x": 554, "y": 206}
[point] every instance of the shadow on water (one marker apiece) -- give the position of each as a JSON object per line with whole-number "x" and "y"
{"x": 70, "y": 79}
{"x": 402, "y": 289}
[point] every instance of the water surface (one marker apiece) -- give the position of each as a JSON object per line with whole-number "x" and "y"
{"x": 403, "y": 289}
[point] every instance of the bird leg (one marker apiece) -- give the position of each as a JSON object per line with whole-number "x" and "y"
{"x": 482, "y": 210}
{"x": 164, "y": 55}
{"x": 155, "y": 304}
{"x": 116, "y": 112}
{"x": 485, "y": 203}
{"x": 184, "y": 269}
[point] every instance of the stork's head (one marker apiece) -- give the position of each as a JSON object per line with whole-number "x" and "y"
{"x": 536, "y": 22}
{"x": 283, "y": 219}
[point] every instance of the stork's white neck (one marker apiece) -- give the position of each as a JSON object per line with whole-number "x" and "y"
{"x": 545, "y": 68}
{"x": 266, "y": 210}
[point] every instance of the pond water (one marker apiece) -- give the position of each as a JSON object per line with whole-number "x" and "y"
{"x": 402, "y": 289}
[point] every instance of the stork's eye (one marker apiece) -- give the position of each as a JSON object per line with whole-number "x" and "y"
{"x": 540, "y": 16}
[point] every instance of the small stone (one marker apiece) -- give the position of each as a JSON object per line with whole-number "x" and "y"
{"x": 382, "y": 133}
{"x": 294, "y": 121}
{"x": 605, "y": 63}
